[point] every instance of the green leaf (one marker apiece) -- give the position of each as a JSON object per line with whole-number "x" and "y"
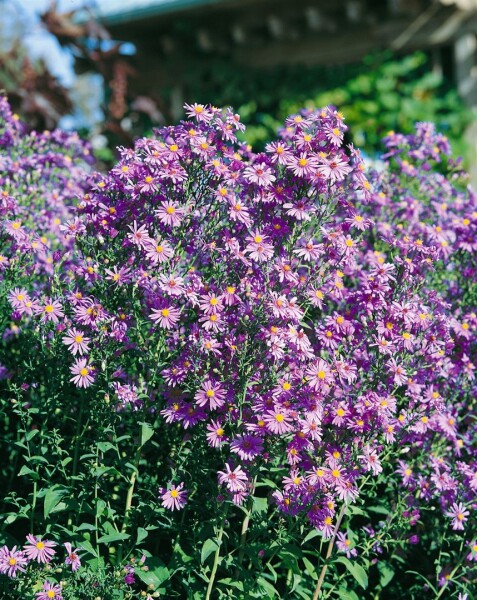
{"x": 86, "y": 527}
{"x": 52, "y": 500}
{"x": 141, "y": 535}
{"x": 310, "y": 535}
{"x": 113, "y": 537}
{"x": 27, "y": 471}
{"x": 310, "y": 568}
{"x": 155, "y": 574}
{"x": 267, "y": 587}
{"x": 232, "y": 583}
{"x": 209, "y": 546}
{"x": 86, "y": 545}
{"x": 386, "y": 572}
{"x": 356, "y": 571}
{"x": 147, "y": 431}
{"x": 259, "y": 505}
{"x": 105, "y": 446}
{"x": 344, "y": 594}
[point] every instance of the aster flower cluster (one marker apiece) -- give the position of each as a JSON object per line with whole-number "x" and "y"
{"x": 307, "y": 323}
{"x": 41, "y": 176}
{"x": 37, "y": 549}
{"x": 286, "y": 326}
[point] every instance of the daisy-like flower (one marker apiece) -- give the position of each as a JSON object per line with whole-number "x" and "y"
{"x": 83, "y": 374}
{"x": 235, "y": 480}
{"x": 159, "y": 252}
{"x": 118, "y": 276}
{"x": 260, "y": 174}
{"x": 279, "y": 152}
{"x": 139, "y": 235}
{"x": 247, "y": 446}
{"x": 334, "y": 169}
{"x": 72, "y": 557}
{"x": 278, "y": 421}
{"x": 50, "y": 310}
{"x": 458, "y": 513}
{"x": 199, "y": 112}
{"x": 18, "y": 297}
{"x": 211, "y": 393}
{"x": 51, "y": 591}
{"x": 76, "y": 341}
{"x": 319, "y": 374}
{"x": 299, "y": 209}
{"x": 169, "y": 214}
{"x": 258, "y": 247}
{"x": 210, "y": 303}
{"x": 38, "y": 549}
{"x": 302, "y": 165}
{"x": 172, "y": 284}
{"x": 215, "y": 434}
{"x": 167, "y": 317}
{"x": 175, "y": 498}
{"x": 12, "y": 561}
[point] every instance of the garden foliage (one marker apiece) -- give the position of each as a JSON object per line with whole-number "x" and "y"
{"x": 237, "y": 375}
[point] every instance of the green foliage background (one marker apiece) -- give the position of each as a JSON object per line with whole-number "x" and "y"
{"x": 383, "y": 93}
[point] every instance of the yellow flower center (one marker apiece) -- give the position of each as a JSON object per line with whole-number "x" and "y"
{"x": 40, "y": 545}
{"x": 170, "y": 210}
{"x": 83, "y": 373}
{"x": 12, "y": 561}
{"x": 321, "y": 374}
{"x": 220, "y": 432}
{"x": 286, "y": 386}
{"x": 210, "y": 393}
{"x": 78, "y": 339}
{"x": 174, "y": 494}
{"x": 49, "y": 308}
{"x": 279, "y": 418}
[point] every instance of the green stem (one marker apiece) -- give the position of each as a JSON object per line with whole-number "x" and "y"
{"x": 328, "y": 554}
{"x": 129, "y": 496}
{"x": 216, "y": 560}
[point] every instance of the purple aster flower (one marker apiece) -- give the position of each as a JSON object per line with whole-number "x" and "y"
{"x": 72, "y": 557}
{"x": 175, "y": 498}
{"x": 344, "y": 544}
{"x": 458, "y": 513}
{"x": 83, "y": 374}
{"x": 38, "y": 549}
{"x": 247, "y": 446}
{"x": 235, "y": 480}
{"x": 12, "y": 561}
{"x": 51, "y": 591}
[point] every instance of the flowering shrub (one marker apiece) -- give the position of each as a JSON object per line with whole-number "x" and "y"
{"x": 255, "y": 371}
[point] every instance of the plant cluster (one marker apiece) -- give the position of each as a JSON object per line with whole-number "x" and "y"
{"x": 232, "y": 356}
